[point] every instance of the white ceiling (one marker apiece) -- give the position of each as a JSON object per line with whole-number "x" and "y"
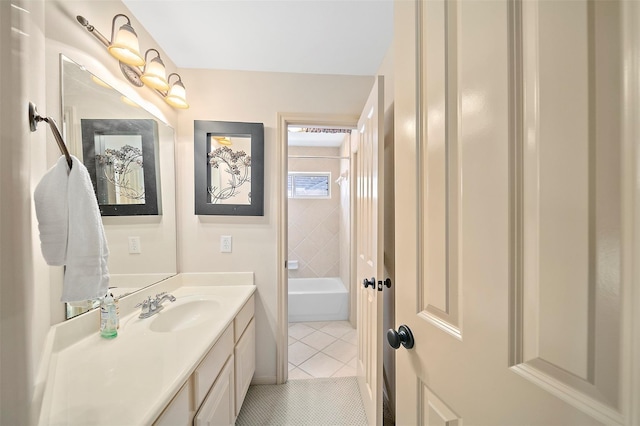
{"x": 330, "y": 140}
{"x": 347, "y": 37}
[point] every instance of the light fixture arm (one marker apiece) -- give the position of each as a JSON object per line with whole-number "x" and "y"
{"x": 177, "y": 75}
{"x": 113, "y": 24}
{"x": 146, "y": 54}
{"x": 83, "y": 21}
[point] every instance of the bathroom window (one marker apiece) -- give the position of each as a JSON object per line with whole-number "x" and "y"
{"x": 309, "y": 185}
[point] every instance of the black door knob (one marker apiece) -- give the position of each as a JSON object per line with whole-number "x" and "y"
{"x": 372, "y": 282}
{"x": 402, "y": 336}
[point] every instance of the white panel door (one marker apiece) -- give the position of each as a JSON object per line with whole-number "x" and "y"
{"x": 511, "y": 211}
{"x": 368, "y": 151}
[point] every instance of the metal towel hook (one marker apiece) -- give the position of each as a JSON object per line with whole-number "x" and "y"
{"x": 35, "y": 118}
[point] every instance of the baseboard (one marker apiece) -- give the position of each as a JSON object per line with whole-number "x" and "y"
{"x": 263, "y": 380}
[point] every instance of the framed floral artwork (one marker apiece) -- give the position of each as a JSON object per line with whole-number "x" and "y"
{"x": 229, "y": 168}
{"x": 121, "y": 158}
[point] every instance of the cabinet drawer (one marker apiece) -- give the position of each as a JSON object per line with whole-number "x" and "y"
{"x": 210, "y": 367}
{"x": 243, "y": 318}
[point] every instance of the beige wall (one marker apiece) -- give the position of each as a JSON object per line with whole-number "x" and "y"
{"x": 250, "y": 97}
{"x": 24, "y": 296}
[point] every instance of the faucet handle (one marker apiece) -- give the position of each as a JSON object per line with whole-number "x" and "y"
{"x": 160, "y": 297}
{"x": 153, "y": 304}
{"x": 145, "y": 304}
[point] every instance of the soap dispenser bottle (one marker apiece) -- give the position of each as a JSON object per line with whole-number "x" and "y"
{"x": 108, "y": 318}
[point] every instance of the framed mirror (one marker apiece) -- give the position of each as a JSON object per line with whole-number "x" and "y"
{"x": 229, "y": 168}
{"x": 142, "y": 246}
{"x": 120, "y": 157}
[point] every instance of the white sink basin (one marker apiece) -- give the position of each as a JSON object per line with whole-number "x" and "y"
{"x": 183, "y": 315}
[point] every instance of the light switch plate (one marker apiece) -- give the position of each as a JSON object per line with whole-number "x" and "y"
{"x": 225, "y": 244}
{"x": 134, "y": 245}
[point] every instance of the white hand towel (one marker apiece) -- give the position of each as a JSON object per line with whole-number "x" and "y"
{"x": 71, "y": 231}
{"x": 52, "y": 211}
{"x": 86, "y": 275}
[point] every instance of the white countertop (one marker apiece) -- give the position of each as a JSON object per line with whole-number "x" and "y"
{"x": 130, "y": 379}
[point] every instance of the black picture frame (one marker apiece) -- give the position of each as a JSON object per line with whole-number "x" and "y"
{"x": 204, "y": 133}
{"x": 147, "y": 129}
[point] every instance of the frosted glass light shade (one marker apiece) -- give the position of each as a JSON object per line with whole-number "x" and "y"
{"x": 154, "y": 75}
{"x": 125, "y": 47}
{"x": 177, "y": 96}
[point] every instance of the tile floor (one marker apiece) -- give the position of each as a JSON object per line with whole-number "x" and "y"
{"x": 322, "y": 349}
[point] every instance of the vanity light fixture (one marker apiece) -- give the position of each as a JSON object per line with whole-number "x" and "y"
{"x": 154, "y": 73}
{"x": 177, "y": 96}
{"x": 124, "y": 46}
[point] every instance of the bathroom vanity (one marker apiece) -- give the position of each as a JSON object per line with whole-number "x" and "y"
{"x": 213, "y": 393}
{"x": 191, "y": 363}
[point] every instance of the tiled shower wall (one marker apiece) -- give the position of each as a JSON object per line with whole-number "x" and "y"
{"x": 314, "y": 225}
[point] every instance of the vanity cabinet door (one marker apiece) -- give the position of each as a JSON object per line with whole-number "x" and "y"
{"x": 218, "y": 406}
{"x": 178, "y": 412}
{"x": 245, "y": 365}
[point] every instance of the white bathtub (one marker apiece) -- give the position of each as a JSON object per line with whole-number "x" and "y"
{"x": 318, "y": 299}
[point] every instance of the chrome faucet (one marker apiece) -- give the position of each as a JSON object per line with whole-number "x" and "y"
{"x": 152, "y": 306}
{"x": 164, "y": 296}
